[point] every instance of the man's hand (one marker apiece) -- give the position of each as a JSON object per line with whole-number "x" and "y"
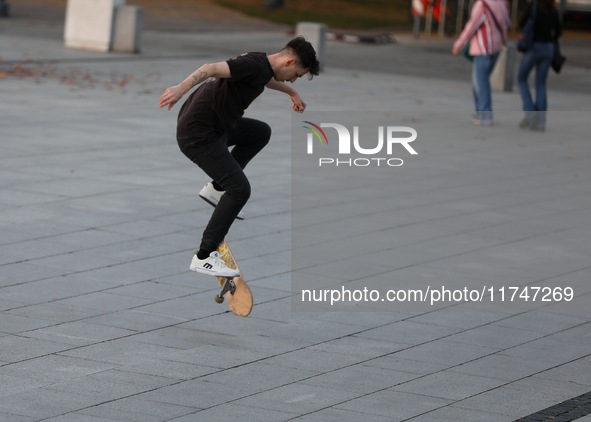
{"x": 171, "y": 96}
{"x": 455, "y": 51}
{"x": 298, "y": 104}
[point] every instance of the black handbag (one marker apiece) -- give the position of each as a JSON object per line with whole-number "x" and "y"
{"x": 526, "y": 37}
{"x": 466, "y": 52}
{"x": 558, "y": 59}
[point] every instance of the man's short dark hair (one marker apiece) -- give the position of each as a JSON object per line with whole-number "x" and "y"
{"x": 305, "y": 55}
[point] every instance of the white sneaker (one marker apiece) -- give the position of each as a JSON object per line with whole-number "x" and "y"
{"x": 213, "y": 265}
{"x": 212, "y": 196}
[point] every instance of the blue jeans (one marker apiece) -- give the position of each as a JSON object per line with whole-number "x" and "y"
{"x": 481, "y": 70}
{"x": 226, "y": 167}
{"x": 540, "y": 56}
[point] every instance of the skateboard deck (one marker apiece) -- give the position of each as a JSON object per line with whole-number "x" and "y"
{"x": 234, "y": 289}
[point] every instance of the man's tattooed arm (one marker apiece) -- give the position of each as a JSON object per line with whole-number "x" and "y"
{"x": 198, "y": 77}
{"x": 174, "y": 93}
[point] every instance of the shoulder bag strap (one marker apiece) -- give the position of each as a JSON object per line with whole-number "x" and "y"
{"x": 495, "y": 21}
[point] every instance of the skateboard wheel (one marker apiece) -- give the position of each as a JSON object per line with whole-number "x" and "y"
{"x": 219, "y": 299}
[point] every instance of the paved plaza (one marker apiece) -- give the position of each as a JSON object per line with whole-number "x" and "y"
{"x": 102, "y": 321}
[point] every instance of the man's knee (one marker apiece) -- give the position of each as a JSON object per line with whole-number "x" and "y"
{"x": 265, "y": 133}
{"x": 241, "y": 193}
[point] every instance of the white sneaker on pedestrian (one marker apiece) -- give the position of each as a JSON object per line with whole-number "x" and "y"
{"x": 213, "y": 265}
{"x": 212, "y": 197}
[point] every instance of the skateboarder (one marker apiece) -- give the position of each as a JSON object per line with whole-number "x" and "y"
{"x": 211, "y": 120}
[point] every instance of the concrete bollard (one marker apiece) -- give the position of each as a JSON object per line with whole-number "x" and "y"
{"x": 503, "y": 75}
{"x": 127, "y": 30}
{"x": 315, "y": 33}
{"x": 89, "y": 24}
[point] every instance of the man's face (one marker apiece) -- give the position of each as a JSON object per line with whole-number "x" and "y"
{"x": 290, "y": 71}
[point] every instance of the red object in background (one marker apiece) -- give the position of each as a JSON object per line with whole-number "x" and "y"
{"x": 419, "y": 8}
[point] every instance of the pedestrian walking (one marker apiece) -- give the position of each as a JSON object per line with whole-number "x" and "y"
{"x": 211, "y": 120}
{"x": 547, "y": 30}
{"x": 486, "y": 34}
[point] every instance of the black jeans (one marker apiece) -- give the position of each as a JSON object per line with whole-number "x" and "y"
{"x": 226, "y": 169}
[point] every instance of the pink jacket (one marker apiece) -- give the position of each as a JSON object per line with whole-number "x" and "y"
{"x": 485, "y": 36}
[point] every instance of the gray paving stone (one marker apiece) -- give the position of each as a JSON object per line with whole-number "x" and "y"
{"x": 78, "y": 333}
{"x": 454, "y": 414}
{"x": 444, "y": 352}
{"x": 12, "y": 385}
{"x": 6, "y": 305}
{"x": 395, "y": 405}
{"x": 43, "y": 403}
{"x": 339, "y": 415}
{"x": 23, "y": 272}
{"x": 120, "y": 352}
{"x": 574, "y": 372}
{"x": 462, "y": 318}
{"x": 258, "y": 377}
{"x": 79, "y": 417}
{"x": 113, "y": 383}
{"x": 34, "y": 292}
{"x": 126, "y": 273}
{"x": 60, "y": 244}
{"x": 237, "y": 412}
{"x": 544, "y": 350}
{"x": 217, "y": 356}
{"x": 171, "y": 369}
{"x": 449, "y": 385}
{"x": 77, "y": 283}
{"x": 14, "y": 324}
{"x": 297, "y": 398}
{"x": 15, "y": 349}
{"x": 195, "y": 393}
{"x": 181, "y": 338}
{"x": 360, "y": 378}
{"x": 135, "y": 319}
{"x": 105, "y": 301}
{"x": 134, "y": 410}
{"x": 15, "y": 418}
{"x": 558, "y": 390}
{"x": 55, "y": 311}
{"x": 228, "y": 324}
{"x": 494, "y": 336}
{"x": 542, "y": 322}
{"x": 50, "y": 369}
{"x": 310, "y": 359}
{"x": 502, "y": 367}
{"x": 410, "y": 332}
{"x": 186, "y": 308}
{"x": 361, "y": 347}
{"x": 405, "y": 365}
{"x": 312, "y": 331}
{"x": 507, "y": 401}
{"x": 150, "y": 290}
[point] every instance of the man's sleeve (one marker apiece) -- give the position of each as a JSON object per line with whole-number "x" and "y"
{"x": 243, "y": 67}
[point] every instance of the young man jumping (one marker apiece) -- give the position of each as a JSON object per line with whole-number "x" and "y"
{"x": 211, "y": 120}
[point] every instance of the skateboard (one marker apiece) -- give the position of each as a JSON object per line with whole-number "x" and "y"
{"x": 234, "y": 289}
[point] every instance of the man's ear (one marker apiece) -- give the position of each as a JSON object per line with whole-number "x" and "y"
{"x": 290, "y": 61}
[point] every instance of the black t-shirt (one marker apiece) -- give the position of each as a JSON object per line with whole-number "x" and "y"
{"x": 218, "y": 104}
{"x": 547, "y": 26}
